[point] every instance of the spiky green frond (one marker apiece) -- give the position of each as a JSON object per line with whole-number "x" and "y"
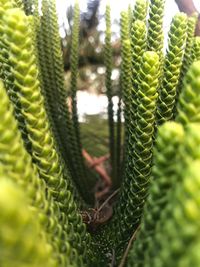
{"x": 155, "y": 27}
{"x": 16, "y": 164}
{"x": 189, "y": 44}
{"x": 126, "y": 62}
{"x": 195, "y": 50}
{"x": 108, "y": 83}
{"x": 182, "y": 209}
{"x": 130, "y": 16}
{"x": 170, "y": 137}
{"x": 21, "y": 241}
{"x": 138, "y": 44}
{"x": 6, "y": 75}
{"x": 188, "y": 109}
{"x": 177, "y": 220}
{"x": 172, "y": 65}
{"x": 81, "y": 178}
{"x": 140, "y": 10}
{"x": 44, "y": 154}
{"x": 125, "y": 85}
{"x": 138, "y": 164}
{"x": 183, "y": 225}
{"x": 52, "y": 82}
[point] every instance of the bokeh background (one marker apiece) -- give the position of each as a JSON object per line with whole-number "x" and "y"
{"x": 91, "y": 98}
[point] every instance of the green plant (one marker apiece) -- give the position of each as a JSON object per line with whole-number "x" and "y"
{"x": 46, "y": 189}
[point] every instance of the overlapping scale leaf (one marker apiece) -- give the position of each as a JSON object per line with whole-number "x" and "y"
{"x": 16, "y": 164}
{"x": 183, "y": 226}
{"x": 139, "y": 158}
{"x": 44, "y": 153}
{"x": 21, "y": 242}
{"x": 171, "y": 71}
{"x": 81, "y": 178}
{"x": 195, "y": 50}
{"x": 191, "y": 25}
{"x": 108, "y": 84}
{"x": 188, "y": 109}
{"x": 6, "y": 75}
{"x": 138, "y": 45}
{"x": 52, "y": 80}
{"x": 140, "y": 10}
{"x": 125, "y": 76}
{"x": 125, "y": 86}
{"x": 170, "y": 137}
{"x": 155, "y": 27}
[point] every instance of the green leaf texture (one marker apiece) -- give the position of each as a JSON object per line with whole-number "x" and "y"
{"x": 44, "y": 154}
{"x": 140, "y": 10}
{"x": 164, "y": 176}
{"x": 189, "y": 101}
{"x": 155, "y": 28}
{"x": 172, "y": 65}
{"x": 134, "y": 189}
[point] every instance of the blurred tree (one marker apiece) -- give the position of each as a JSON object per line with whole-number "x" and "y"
{"x": 89, "y": 36}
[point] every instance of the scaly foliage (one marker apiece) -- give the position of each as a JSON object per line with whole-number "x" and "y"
{"x": 16, "y": 164}
{"x": 172, "y": 235}
{"x": 140, "y": 10}
{"x": 42, "y": 173}
{"x": 155, "y": 29}
{"x": 108, "y": 83}
{"x": 136, "y": 177}
{"x": 125, "y": 79}
{"x": 170, "y": 137}
{"x": 188, "y": 105}
{"x": 171, "y": 69}
{"x": 23, "y": 229}
{"x": 49, "y": 167}
{"x": 191, "y": 25}
{"x": 76, "y": 146}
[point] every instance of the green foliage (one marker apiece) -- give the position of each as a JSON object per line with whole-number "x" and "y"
{"x": 170, "y": 137}
{"x": 125, "y": 78}
{"x": 188, "y": 105}
{"x": 108, "y": 83}
{"x": 172, "y": 235}
{"x": 187, "y": 60}
{"x": 171, "y": 69}
{"x": 140, "y": 10}
{"x": 76, "y": 146}
{"x": 139, "y": 149}
{"x": 155, "y": 29}
{"x": 43, "y": 176}
{"x": 21, "y": 241}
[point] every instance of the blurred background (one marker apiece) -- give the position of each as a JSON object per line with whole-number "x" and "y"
{"x": 91, "y": 98}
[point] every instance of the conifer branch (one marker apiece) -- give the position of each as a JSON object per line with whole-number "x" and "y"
{"x": 44, "y": 154}
{"x": 155, "y": 28}
{"x": 140, "y": 11}
{"x": 170, "y": 137}
{"x": 188, "y": 109}
{"x": 108, "y": 83}
{"x": 171, "y": 69}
